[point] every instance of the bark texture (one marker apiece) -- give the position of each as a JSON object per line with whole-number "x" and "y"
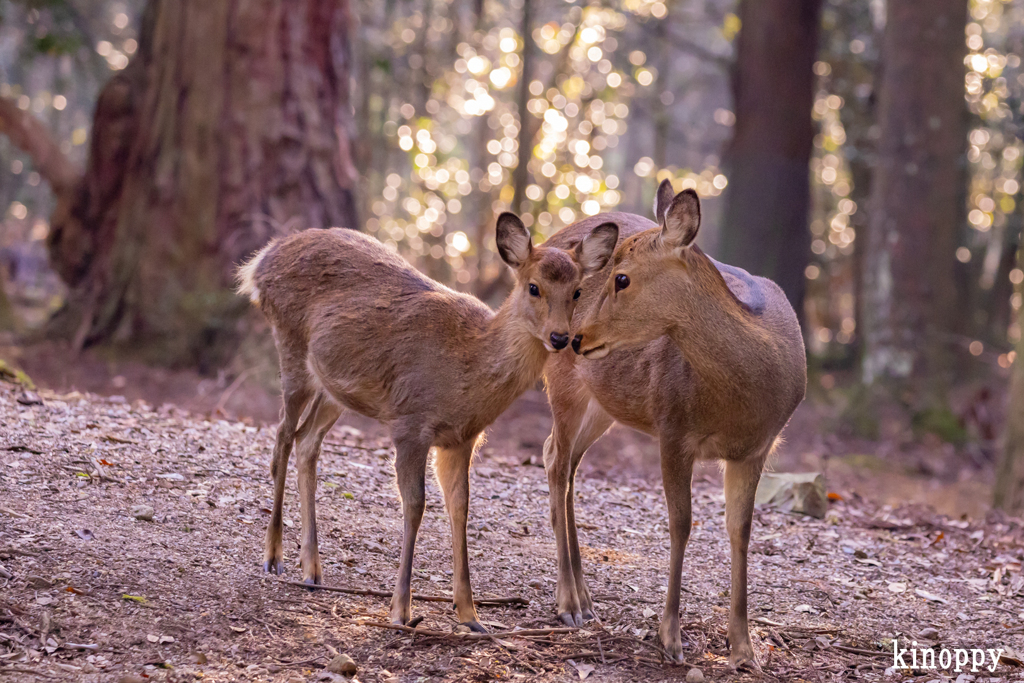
{"x": 1009, "y": 488}
{"x": 909, "y": 290}
{"x": 228, "y": 126}
{"x": 764, "y": 228}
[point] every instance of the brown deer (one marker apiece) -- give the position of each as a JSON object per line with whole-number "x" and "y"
{"x": 357, "y": 327}
{"x": 702, "y": 356}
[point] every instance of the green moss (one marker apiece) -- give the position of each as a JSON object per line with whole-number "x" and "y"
{"x": 941, "y": 422}
{"x": 9, "y": 373}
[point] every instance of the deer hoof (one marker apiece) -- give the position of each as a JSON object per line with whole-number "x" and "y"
{"x": 571, "y": 620}
{"x": 312, "y": 581}
{"x": 474, "y": 626}
{"x": 274, "y": 567}
{"x": 414, "y": 622}
{"x": 741, "y": 661}
{"x": 588, "y": 615}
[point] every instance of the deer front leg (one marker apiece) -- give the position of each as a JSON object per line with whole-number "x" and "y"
{"x": 410, "y": 469}
{"x": 557, "y": 464}
{"x": 452, "y": 468}
{"x": 595, "y": 422}
{"x": 322, "y": 416}
{"x": 677, "y": 473}
{"x": 741, "y": 479}
{"x": 295, "y": 399}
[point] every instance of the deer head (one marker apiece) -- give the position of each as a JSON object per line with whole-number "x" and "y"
{"x": 657, "y": 279}
{"x": 548, "y": 279}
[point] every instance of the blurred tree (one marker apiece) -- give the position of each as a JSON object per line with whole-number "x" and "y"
{"x": 226, "y": 126}
{"x": 909, "y": 305}
{"x": 1009, "y": 488}
{"x": 765, "y": 225}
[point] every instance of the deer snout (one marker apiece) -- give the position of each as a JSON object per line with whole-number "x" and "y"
{"x": 559, "y": 340}
{"x": 576, "y": 343}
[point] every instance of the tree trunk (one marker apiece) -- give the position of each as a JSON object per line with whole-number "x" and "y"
{"x": 227, "y": 127}
{"x": 909, "y": 288}
{"x": 764, "y": 228}
{"x": 1009, "y": 488}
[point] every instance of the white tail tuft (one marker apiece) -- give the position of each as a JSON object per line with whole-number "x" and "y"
{"x": 246, "y": 275}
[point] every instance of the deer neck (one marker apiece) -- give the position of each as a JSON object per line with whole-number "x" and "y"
{"x": 509, "y": 358}
{"x": 730, "y": 351}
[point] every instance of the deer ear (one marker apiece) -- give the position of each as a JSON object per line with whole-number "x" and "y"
{"x": 662, "y": 200}
{"x": 513, "y": 240}
{"x": 597, "y": 247}
{"x": 682, "y": 220}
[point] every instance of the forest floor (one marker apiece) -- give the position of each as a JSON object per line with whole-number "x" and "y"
{"x": 88, "y": 592}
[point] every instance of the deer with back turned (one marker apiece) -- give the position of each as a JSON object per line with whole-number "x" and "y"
{"x": 701, "y": 355}
{"x": 357, "y": 327}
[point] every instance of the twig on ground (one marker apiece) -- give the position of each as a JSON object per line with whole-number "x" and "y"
{"x": 20, "y": 670}
{"x": 465, "y": 636}
{"x": 485, "y": 602}
{"x": 858, "y": 651}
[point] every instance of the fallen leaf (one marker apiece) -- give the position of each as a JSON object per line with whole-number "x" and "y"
{"x": 897, "y": 587}
{"x": 134, "y": 598}
{"x": 931, "y": 596}
{"x": 84, "y": 534}
{"x": 584, "y": 670}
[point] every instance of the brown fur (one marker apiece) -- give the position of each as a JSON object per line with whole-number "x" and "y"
{"x": 707, "y": 359}
{"x": 357, "y": 327}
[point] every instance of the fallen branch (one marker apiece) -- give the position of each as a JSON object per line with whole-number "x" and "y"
{"x": 483, "y": 602}
{"x": 465, "y": 636}
{"x": 857, "y": 651}
{"x": 19, "y": 670}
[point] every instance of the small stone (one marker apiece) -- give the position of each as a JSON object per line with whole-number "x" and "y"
{"x": 131, "y": 678}
{"x": 342, "y": 664}
{"x": 462, "y": 628}
{"x": 695, "y": 676}
{"x": 197, "y": 658}
{"x": 929, "y": 634}
{"x": 143, "y": 513}
{"x": 536, "y": 583}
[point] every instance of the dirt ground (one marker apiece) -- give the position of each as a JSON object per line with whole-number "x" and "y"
{"x": 88, "y": 592}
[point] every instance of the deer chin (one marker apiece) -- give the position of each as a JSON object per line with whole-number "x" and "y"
{"x": 596, "y": 352}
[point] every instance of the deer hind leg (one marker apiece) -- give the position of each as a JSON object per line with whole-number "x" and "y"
{"x": 677, "y": 475}
{"x": 741, "y": 479}
{"x": 296, "y": 394}
{"x": 571, "y": 435}
{"x": 451, "y": 465}
{"x": 411, "y": 450}
{"x": 322, "y": 416}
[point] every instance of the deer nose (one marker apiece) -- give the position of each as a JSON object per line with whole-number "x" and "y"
{"x": 559, "y": 340}
{"x": 576, "y": 343}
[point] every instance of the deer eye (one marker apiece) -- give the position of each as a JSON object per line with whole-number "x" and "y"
{"x": 621, "y": 282}
{"x": 576, "y": 295}
{"x": 534, "y": 290}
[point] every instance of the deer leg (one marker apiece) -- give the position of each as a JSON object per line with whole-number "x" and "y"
{"x": 410, "y": 468}
{"x": 451, "y": 466}
{"x": 677, "y": 473}
{"x": 741, "y": 479}
{"x": 322, "y": 416}
{"x": 595, "y": 423}
{"x": 295, "y": 399}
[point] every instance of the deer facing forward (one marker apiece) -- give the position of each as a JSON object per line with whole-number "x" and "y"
{"x": 703, "y": 356}
{"x": 357, "y": 327}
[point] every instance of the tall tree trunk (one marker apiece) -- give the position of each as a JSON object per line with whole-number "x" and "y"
{"x": 917, "y": 195}
{"x": 764, "y": 228}
{"x": 527, "y": 128}
{"x": 227, "y": 126}
{"x": 1009, "y": 488}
